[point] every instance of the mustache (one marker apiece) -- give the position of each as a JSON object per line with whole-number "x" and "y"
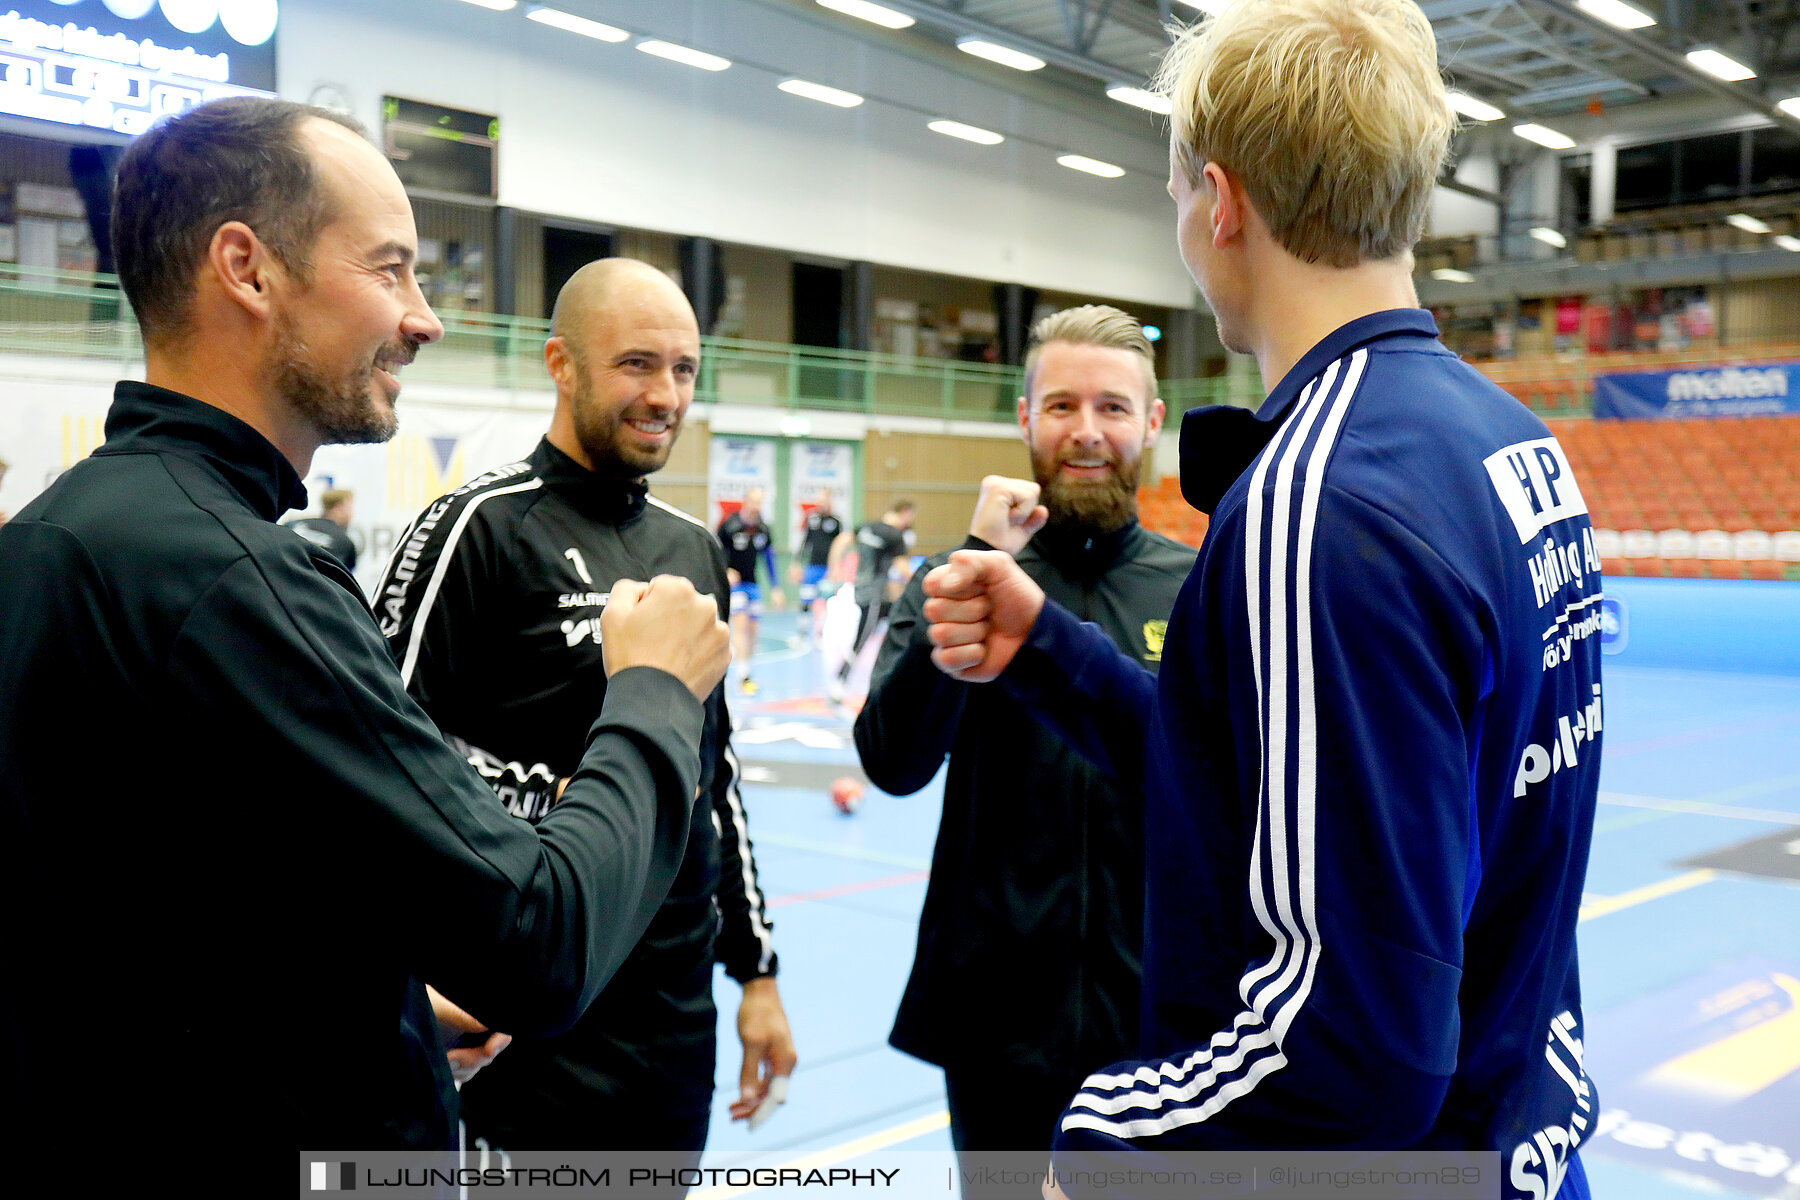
{"x": 1106, "y": 454}
{"x": 400, "y": 352}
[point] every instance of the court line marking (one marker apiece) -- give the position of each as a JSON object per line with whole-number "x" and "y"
{"x": 849, "y": 889}
{"x": 1601, "y": 907}
{"x": 819, "y": 1160}
{"x": 851, "y": 852}
{"x": 1708, "y": 734}
{"x": 1701, "y": 808}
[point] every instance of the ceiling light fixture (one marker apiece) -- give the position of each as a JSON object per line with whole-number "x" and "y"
{"x": 1137, "y": 97}
{"x": 1545, "y": 136}
{"x": 1549, "y": 236}
{"x": 1452, "y": 275}
{"x": 862, "y": 10}
{"x": 1006, "y": 56}
{"x": 1617, "y": 13}
{"x": 1469, "y": 106}
{"x": 1747, "y": 223}
{"x": 1093, "y": 166}
{"x": 573, "y": 24}
{"x": 684, "y": 54}
{"x": 968, "y": 133}
{"x": 1720, "y": 66}
{"x": 819, "y": 92}
{"x": 494, "y": 5}
{"x": 1788, "y": 241}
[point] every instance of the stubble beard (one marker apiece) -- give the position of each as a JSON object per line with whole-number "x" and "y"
{"x": 1103, "y": 505}
{"x": 344, "y": 411}
{"x": 604, "y": 437}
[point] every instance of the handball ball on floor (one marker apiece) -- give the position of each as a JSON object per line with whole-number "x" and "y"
{"x": 846, "y": 794}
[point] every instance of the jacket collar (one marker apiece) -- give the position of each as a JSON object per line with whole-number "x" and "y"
{"x": 1084, "y": 553}
{"x": 144, "y": 417}
{"x": 591, "y": 493}
{"x": 1219, "y": 442}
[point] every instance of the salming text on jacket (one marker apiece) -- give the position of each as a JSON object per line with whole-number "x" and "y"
{"x": 231, "y": 845}
{"x": 491, "y": 605}
{"x": 1371, "y": 773}
{"x": 1039, "y": 855}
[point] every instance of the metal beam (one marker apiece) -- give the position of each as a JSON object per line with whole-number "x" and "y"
{"x": 1468, "y": 189}
{"x": 1663, "y": 56}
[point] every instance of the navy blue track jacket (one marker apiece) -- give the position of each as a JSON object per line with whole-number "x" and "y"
{"x": 1373, "y": 753}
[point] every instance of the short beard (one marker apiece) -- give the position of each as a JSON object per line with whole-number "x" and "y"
{"x": 342, "y": 411}
{"x": 1102, "y": 505}
{"x": 602, "y": 439}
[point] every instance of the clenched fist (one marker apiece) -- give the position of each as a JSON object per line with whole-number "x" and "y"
{"x": 1007, "y": 513}
{"x": 668, "y": 625}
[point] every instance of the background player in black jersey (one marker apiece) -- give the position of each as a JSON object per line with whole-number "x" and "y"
{"x": 819, "y": 551}
{"x": 747, "y": 541}
{"x": 330, "y": 528}
{"x": 878, "y": 544}
{"x": 505, "y": 652}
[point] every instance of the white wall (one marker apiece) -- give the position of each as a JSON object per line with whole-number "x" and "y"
{"x": 605, "y": 133}
{"x": 1453, "y": 213}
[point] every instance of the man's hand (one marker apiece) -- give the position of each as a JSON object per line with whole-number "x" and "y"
{"x": 768, "y": 1045}
{"x": 453, "y": 1026}
{"x": 668, "y": 625}
{"x": 732, "y": 577}
{"x": 1007, "y": 513}
{"x": 777, "y": 597}
{"x": 981, "y": 606}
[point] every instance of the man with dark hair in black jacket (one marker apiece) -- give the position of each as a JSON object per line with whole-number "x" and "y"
{"x": 1026, "y": 974}
{"x": 503, "y": 649}
{"x": 218, "y": 800}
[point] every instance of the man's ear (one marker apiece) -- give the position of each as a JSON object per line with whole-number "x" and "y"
{"x": 559, "y": 363}
{"x": 1025, "y": 421}
{"x": 1227, "y": 204}
{"x": 244, "y": 268}
{"x": 1152, "y": 427}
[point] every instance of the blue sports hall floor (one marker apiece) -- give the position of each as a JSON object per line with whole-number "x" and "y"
{"x": 1690, "y": 934}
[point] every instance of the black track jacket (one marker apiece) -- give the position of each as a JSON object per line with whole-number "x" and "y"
{"x": 491, "y": 606}
{"x": 1028, "y": 942}
{"x": 231, "y": 845}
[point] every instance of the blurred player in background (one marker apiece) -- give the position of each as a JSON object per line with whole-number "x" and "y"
{"x": 748, "y": 542}
{"x": 879, "y": 544}
{"x": 821, "y": 544}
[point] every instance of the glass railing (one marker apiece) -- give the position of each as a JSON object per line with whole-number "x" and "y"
{"x": 82, "y": 315}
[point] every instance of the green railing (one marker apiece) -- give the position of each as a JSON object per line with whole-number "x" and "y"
{"x": 82, "y": 315}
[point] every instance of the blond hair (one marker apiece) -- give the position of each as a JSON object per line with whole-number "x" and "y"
{"x": 1331, "y": 113}
{"x": 1093, "y": 325}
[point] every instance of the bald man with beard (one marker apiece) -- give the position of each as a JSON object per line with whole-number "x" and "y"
{"x": 505, "y": 655}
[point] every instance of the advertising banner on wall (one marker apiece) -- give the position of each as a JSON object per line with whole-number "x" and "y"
{"x": 118, "y": 65}
{"x": 736, "y": 465}
{"x": 1759, "y": 390}
{"x": 816, "y": 468}
{"x": 47, "y": 426}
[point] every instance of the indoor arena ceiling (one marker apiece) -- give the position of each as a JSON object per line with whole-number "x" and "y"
{"x": 1534, "y": 58}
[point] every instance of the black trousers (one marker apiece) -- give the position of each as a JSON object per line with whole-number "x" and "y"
{"x": 1008, "y": 1109}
